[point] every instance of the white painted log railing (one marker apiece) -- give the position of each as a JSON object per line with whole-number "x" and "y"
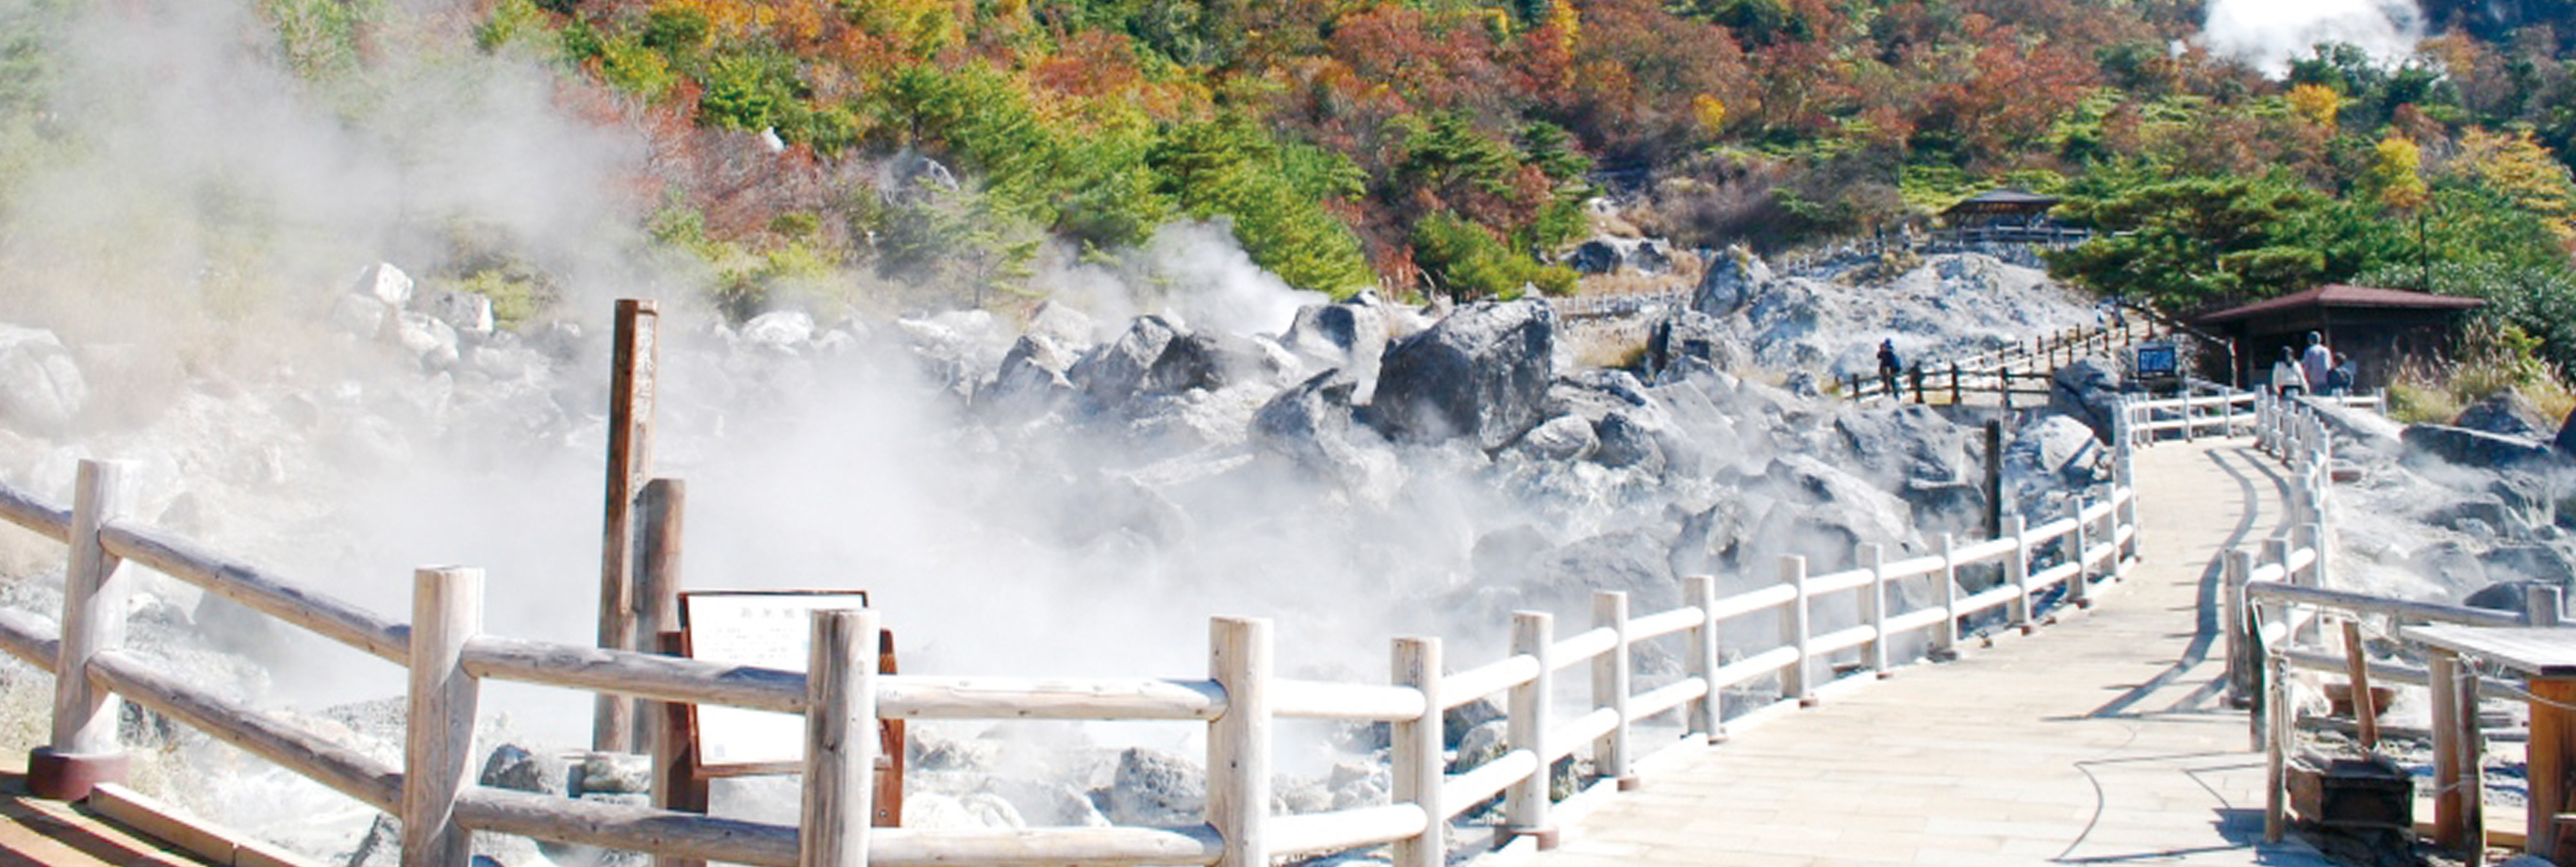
{"x": 2274, "y": 599}
{"x": 1239, "y": 698}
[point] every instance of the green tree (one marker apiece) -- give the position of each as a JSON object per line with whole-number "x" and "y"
{"x": 2194, "y": 242}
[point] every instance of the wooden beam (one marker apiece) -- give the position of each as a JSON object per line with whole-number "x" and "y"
{"x": 840, "y": 740}
{"x": 632, "y": 361}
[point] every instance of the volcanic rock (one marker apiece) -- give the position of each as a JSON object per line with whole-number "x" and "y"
{"x": 2473, "y": 448}
{"x": 2088, "y": 391}
{"x": 1733, "y": 280}
{"x": 1156, "y": 788}
{"x": 41, "y": 387}
{"x": 1482, "y": 374}
{"x": 385, "y": 283}
{"x": 2505, "y": 412}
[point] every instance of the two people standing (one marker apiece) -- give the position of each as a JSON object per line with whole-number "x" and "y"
{"x": 2312, "y": 372}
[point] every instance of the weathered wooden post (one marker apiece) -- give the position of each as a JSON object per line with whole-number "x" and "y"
{"x": 1611, "y": 687}
{"x": 84, "y": 751}
{"x": 1793, "y": 631}
{"x": 1948, "y": 636}
{"x": 1874, "y": 607}
{"x": 2017, "y": 571}
{"x": 840, "y": 739}
{"x": 1414, "y": 758}
{"x": 1708, "y": 712}
{"x": 2234, "y": 626}
{"x": 2284, "y": 719}
{"x": 1994, "y": 478}
{"x": 633, "y": 361}
{"x": 659, "y": 513}
{"x": 2443, "y": 670}
{"x": 438, "y": 737}
{"x": 1238, "y": 786}
{"x": 1956, "y": 394}
{"x": 1525, "y": 804}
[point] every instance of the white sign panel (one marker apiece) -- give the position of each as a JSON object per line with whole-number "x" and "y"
{"x": 767, "y": 630}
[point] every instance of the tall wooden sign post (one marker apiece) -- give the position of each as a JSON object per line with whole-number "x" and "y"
{"x": 630, "y": 461}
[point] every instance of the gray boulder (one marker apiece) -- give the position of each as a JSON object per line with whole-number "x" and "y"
{"x": 385, "y": 283}
{"x": 1563, "y": 439}
{"x": 2546, "y": 564}
{"x": 2507, "y": 595}
{"x": 1732, "y": 282}
{"x": 1032, "y": 376}
{"x": 1310, "y": 423}
{"x": 1351, "y": 335}
{"x": 1683, "y": 336}
{"x": 1908, "y": 442}
{"x": 1151, "y": 787}
{"x": 1482, "y": 374}
{"x": 515, "y": 768}
{"x": 41, "y": 387}
{"x": 467, "y": 312}
{"x": 2504, "y": 412}
{"x": 612, "y": 774}
{"x": 781, "y": 331}
{"x": 429, "y": 341}
{"x": 2472, "y": 448}
{"x": 2088, "y": 391}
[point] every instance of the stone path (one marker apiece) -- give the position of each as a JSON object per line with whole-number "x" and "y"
{"x": 2099, "y": 741}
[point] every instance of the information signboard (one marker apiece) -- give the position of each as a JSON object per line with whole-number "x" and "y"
{"x": 762, "y": 628}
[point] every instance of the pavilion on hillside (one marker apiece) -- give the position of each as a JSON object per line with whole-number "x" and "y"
{"x": 2379, "y": 328}
{"x": 2000, "y": 206}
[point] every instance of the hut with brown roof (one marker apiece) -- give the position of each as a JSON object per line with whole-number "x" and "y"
{"x": 2378, "y": 328}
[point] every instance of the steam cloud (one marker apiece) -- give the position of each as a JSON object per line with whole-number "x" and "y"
{"x": 2268, "y": 34}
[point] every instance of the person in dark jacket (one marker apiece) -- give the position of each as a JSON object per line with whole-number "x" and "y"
{"x": 1888, "y": 366}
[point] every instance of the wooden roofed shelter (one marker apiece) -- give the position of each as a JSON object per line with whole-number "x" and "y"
{"x": 2379, "y": 328}
{"x": 2000, "y": 205}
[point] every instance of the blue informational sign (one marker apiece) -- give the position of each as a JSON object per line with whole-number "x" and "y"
{"x": 2156, "y": 359}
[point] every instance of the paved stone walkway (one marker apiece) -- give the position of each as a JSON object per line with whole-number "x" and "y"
{"x": 2101, "y": 740}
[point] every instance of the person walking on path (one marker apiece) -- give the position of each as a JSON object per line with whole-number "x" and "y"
{"x": 1888, "y": 366}
{"x": 2317, "y": 363}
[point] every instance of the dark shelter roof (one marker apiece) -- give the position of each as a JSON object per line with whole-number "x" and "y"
{"x": 2003, "y": 200}
{"x": 2341, "y": 295}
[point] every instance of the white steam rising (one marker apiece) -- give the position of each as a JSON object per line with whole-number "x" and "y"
{"x": 2268, "y": 34}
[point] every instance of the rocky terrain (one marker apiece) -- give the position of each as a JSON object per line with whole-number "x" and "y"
{"x": 1068, "y": 493}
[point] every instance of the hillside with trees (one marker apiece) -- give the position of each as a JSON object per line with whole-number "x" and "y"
{"x": 949, "y": 149}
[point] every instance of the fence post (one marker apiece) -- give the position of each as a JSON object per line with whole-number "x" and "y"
{"x": 1611, "y": 687}
{"x": 2540, "y": 605}
{"x": 1955, "y": 393}
{"x": 2017, "y": 571}
{"x": 2443, "y": 675}
{"x": 1413, "y": 755}
{"x": 841, "y": 739}
{"x": 2187, "y": 420}
{"x": 634, "y": 357}
{"x": 438, "y": 740}
{"x": 2234, "y": 626}
{"x": 1238, "y": 788}
{"x": 1525, "y": 804}
{"x": 2078, "y": 586}
{"x": 1708, "y": 712}
{"x": 84, "y": 751}
{"x": 2276, "y": 703}
{"x": 658, "y": 521}
{"x": 1949, "y": 575}
{"x": 1793, "y": 630}
{"x": 1874, "y": 607}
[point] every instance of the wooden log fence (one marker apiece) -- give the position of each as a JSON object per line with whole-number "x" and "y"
{"x": 1239, "y": 698}
{"x": 2021, "y": 370}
